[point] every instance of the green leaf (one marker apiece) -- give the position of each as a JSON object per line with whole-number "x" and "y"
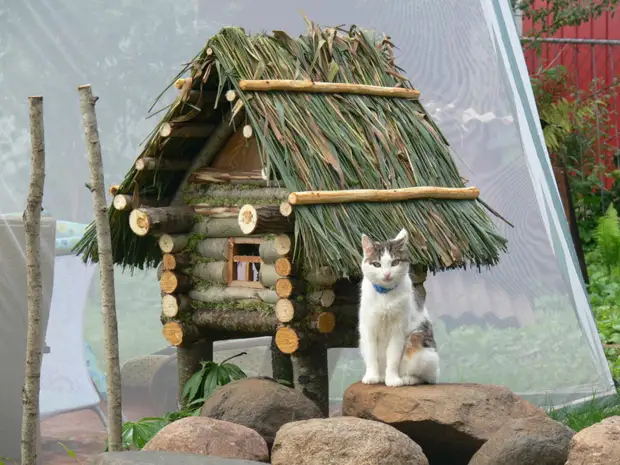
{"x": 210, "y": 383}
{"x": 234, "y": 371}
{"x": 332, "y": 71}
{"x": 69, "y": 452}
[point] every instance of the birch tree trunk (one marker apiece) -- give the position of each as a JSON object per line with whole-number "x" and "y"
{"x": 106, "y": 268}
{"x": 32, "y": 226}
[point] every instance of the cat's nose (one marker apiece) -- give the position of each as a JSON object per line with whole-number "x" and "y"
{"x": 387, "y": 276}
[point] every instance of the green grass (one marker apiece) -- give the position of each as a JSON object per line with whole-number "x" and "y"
{"x": 588, "y": 414}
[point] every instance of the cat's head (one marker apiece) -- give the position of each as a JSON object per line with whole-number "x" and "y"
{"x": 385, "y": 263}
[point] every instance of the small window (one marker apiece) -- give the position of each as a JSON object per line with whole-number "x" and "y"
{"x": 244, "y": 262}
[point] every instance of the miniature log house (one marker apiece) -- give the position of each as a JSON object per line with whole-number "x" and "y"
{"x": 253, "y": 192}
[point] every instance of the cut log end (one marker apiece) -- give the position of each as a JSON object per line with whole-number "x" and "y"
{"x": 325, "y": 322}
{"x": 283, "y": 244}
{"x": 174, "y": 262}
{"x": 283, "y": 266}
{"x": 324, "y": 298}
{"x": 284, "y": 288}
{"x": 287, "y": 340}
{"x": 248, "y": 219}
{"x": 173, "y": 333}
{"x": 172, "y": 305}
{"x": 172, "y": 244}
{"x": 114, "y": 189}
{"x": 231, "y": 95}
{"x": 139, "y": 222}
{"x": 285, "y": 310}
{"x": 286, "y": 209}
{"x": 172, "y": 282}
{"x": 122, "y": 202}
{"x": 262, "y": 220}
{"x": 247, "y": 131}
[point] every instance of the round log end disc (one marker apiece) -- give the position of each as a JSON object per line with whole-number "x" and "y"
{"x": 286, "y": 209}
{"x": 139, "y": 222}
{"x": 328, "y": 296}
{"x": 122, "y": 202}
{"x": 169, "y": 306}
{"x": 166, "y": 243}
{"x": 169, "y": 261}
{"x": 326, "y": 322}
{"x": 248, "y": 219}
{"x": 114, "y": 189}
{"x": 283, "y": 266}
{"x": 282, "y": 244}
{"x": 287, "y": 340}
{"x": 247, "y": 131}
{"x": 292, "y": 198}
{"x": 168, "y": 282}
{"x": 285, "y": 310}
{"x": 231, "y": 95}
{"x": 284, "y": 287}
{"x": 173, "y": 333}
{"x": 165, "y": 130}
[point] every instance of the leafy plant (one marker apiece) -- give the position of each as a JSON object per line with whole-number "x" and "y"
{"x": 607, "y": 237}
{"x": 586, "y": 415}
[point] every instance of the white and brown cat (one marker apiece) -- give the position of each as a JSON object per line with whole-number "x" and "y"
{"x": 396, "y": 336}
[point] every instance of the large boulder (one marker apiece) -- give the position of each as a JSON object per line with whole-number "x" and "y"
{"x": 527, "y": 441}
{"x": 207, "y": 436}
{"x": 450, "y": 421}
{"x": 161, "y": 458}
{"x": 598, "y": 444}
{"x": 261, "y": 404}
{"x": 344, "y": 441}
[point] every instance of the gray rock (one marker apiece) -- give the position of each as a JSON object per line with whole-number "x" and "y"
{"x": 344, "y": 441}
{"x": 261, "y": 404}
{"x": 162, "y": 458}
{"x": 527, "y": 441}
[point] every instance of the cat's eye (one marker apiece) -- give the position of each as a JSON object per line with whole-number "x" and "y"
{"x": 395, "y": 262}
{"x": 376, "y": 264}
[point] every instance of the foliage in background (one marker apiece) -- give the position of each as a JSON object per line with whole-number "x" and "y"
{"x": 553, "y": 15}
{"x": 197, "y": 389}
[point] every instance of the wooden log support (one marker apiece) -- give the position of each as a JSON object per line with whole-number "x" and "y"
{"x": 216, "y": 191}
{"x": 321, "y": 278}
{"x": 125, "y": 202}
{"x": 282, "y": 369}
{"x": 283, "y": 266}
{"x": 177, "y": 333}
{"x": 215, "y": 272}
{"x": 185, "y": 130}
{"x": 161, "y": 164}
{"x": 173, "y": 304}
{"x": 173, "y": 243}
{"x": 272, "y": 250}
{"x": 226, "y": 294}
{"x": 311, "y": 375}
{"x": 383, "y": 195}
{"x": 288, "y": 310}
{"x": 122, "y": 202}
{"x": 288, "y": 339}
{"x": 172, "y": 282}
{"x": 262, "y": 220}
{"x": 189, "y": 357}
{"x": 325, "y": 298}
{"x": 215, "y": 212}
{"x": 218, "y": 227}
{"x": 215, "y": 249}
{"x": 268, "y": 276}
{"x": 286, "y": 209}
{"x": 237, "y": 321}
{"x": 289, "y": 287}
{"x": 214, "y": 176}
{"x": 150, "y": 220}
{"x": 172, "y": 262}
{"x": 292, "y": 85}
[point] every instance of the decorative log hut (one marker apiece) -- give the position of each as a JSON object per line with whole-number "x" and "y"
{"x": 253, "y": 192}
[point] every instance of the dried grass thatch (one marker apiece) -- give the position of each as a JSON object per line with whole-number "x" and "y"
{"x": 333, "y": 141}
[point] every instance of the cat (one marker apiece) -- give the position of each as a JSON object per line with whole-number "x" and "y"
{"x": 396, "y": 335}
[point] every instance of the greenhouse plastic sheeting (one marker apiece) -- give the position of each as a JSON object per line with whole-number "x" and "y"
{"x": 525, "y": 324}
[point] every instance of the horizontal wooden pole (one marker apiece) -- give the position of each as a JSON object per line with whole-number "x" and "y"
{"x": 383, "y": 195}
{"x": 213, "y": 176}
{"x": 163, "y": 164}
{"x": 198, "y": 130}
{"x": 289, "y": 85}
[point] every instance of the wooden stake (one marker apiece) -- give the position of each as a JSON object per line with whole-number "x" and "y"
{"x": 173, "y": 244}
{"x": 159, "y": 164}
{"x": 32, "y": 226}
{"x": 288, "y": 85}
{"x": 172, "y": 305}
{"x": 383, "y": 195}
{"x": 106, "y": 269}
{"x": 149, "y": 220}
{"x": 172, "y": 282}
{"x": 261, "y": 220}
{"x": 185, "y": 130}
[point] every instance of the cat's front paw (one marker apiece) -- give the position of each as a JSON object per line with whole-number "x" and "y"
{"x": 394, "y": 381}
{"x": 412, "y": 380}
{"x": 371, "y": 379}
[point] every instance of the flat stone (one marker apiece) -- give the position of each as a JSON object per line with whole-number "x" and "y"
{"x": 161, "y": 458}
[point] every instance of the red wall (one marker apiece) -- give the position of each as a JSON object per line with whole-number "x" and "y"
{"x": 585, "y": 62}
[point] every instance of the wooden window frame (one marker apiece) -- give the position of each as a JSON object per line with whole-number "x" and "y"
{"x": 233, "y": 259}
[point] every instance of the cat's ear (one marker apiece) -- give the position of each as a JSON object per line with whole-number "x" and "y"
{"x": 367, "y": 245}
{"x": 402, "y": 236}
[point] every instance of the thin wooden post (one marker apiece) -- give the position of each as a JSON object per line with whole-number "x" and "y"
{"x": 32, "y": 225}
{"x": 281, "y": 366}
{"x": 106, "y": 268}
{"x": 311, "y": 374}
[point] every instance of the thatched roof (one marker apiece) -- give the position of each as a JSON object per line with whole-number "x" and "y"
{"x": 327, "y": 142}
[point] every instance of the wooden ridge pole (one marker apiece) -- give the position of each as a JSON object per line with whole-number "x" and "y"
{"x": 32, "y": 225}
{"x": 383, "y": 195}
{"x": 290, "y": 85}
{"x": 106, "y": 267}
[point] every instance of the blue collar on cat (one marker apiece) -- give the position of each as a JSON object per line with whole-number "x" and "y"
{"x": 381, "y": 289}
